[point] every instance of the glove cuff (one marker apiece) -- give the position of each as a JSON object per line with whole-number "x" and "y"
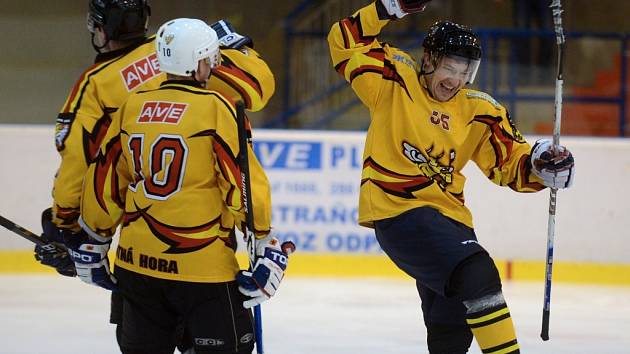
{"x": 93, "y": 235}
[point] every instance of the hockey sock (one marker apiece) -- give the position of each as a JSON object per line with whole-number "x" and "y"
{"x": 490, "y": 321}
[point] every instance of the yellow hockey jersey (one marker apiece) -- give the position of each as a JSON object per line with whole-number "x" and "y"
{"x": 417, "y": 146}
{"x": 102, "y": 88}
{"x": 168, "y": 172}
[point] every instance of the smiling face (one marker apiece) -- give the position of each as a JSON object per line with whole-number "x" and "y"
{"x": 450, "y": 75}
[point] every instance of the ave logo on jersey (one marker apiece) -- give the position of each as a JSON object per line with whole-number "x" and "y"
{"x": 162, "y": 112}
{"x": 140, "y": 71}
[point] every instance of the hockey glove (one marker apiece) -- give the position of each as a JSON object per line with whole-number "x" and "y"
{"x": 401, "y": 8}
{"x": 90, "y": 259}
{"x": 54, "y": 253}
{"x": 228, "y": 37}
{"x": 556, "y": 170}
{"x": 271, "y": 261}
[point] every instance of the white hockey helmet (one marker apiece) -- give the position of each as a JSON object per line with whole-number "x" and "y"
{"x": 182, "y": 42}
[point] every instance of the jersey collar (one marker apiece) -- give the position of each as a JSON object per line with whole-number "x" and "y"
{"x": 101, "y": 57}
{"x": 182, "y": 82}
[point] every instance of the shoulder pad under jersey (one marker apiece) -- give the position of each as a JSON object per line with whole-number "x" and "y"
{"x": 402, "y": 57}
{"x": 472, "y": 94}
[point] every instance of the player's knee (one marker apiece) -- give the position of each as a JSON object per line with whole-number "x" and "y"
{"x": 448, "y": 339}
{"x": 475, "y": 277}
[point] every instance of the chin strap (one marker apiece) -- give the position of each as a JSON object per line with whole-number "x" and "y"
{"x": 422, "y": 72}
{"x": 97, "y": 48}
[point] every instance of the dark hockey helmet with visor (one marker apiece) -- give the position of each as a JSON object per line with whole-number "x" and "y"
{"x": 120, "y": 19}
{"x": 446, "y": 38}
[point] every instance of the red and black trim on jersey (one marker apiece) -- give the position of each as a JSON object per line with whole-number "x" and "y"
{"x": 387, "y": 70}
{"x": 523, "y": 175}
{"x": 92, "y": 140}
{"x": 227, "y": 69}
{"x": 104, "y": 165}
{"x": 259, "y": 234}
{"x": 68, "y": 216}
{"x": 390, "y": 73}
{"x": 351, "y": 26}
{"x": 402, "y": 185}
{"x": 378, "y": 54}
{"x": 174, "y": 235}
{"x": 228, "y": 164}
{"x": 500, "y": 139}
{"x": 66, "y": 117}
{"x": 180, "y": 85}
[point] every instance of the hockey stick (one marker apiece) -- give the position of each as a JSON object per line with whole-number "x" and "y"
{"x": 556, "y": 8}
{"x": 38, "y": 240}
{"x": 51, "y": 247}
{"x": 250, "y": 237}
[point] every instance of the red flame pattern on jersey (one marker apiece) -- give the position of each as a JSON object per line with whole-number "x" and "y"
{"x": 103, "y": 167}
{"x": 174, "y": 235}
{"x": 500, "y": 139}
{"x": 395, "y": 183}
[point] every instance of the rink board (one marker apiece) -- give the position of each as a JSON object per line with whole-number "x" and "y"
{"x": 379, "y": 266}
{"x": 315, "y": 178}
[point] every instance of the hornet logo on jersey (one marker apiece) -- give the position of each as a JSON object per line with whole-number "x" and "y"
{"x": 62, "y": 129}
{"x": 430, "y": 165}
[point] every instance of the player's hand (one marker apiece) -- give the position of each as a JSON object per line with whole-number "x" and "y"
{"x": 228, "y": 36}
{"x": 90, "y": 259}
{"x": 401, "y": 8}
{"x": 557, "y": 170}
{"x": 53, "y": 253}
{"x": 271, "y": 261}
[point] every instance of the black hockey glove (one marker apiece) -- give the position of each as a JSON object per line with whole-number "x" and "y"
{"x": 54, "y": 253}
{"x": 228, "y": 36}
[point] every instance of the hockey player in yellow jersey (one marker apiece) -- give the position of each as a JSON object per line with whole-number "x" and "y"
{"x": 425, "y": 127}
{"x": 167, "y": 172}
{"x": 126, "y": 62}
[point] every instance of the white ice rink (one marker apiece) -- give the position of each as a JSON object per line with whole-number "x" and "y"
{"x": 51, "y": 314}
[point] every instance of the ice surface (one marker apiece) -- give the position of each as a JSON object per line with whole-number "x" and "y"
{"x": 53, "y": 314}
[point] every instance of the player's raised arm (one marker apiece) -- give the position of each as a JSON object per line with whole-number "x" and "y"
{"x": 356, "y": 53}
{"x": 243, "y": 75}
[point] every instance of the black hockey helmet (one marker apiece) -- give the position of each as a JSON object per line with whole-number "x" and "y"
{"x": 119, "y": 19}
{"x": 446, "y": 37}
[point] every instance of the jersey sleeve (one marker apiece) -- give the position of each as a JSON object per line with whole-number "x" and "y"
{"x": 503, "y": 154}
{"x": 80, "y": 127}
{"x": 106, "y": 180}
{"x": 226, "y": 148}
{"x": 243, "y": 75}
{"x": 356, "y": 53}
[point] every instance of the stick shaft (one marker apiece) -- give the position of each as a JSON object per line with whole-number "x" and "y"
{"x": 250, "y": 237}
{"x": 556, "y": 8}
{"x": 19, "y": 230}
